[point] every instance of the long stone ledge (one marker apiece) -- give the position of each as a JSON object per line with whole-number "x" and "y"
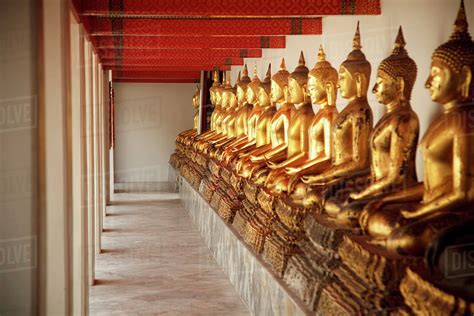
{"x": 261, "y": 290}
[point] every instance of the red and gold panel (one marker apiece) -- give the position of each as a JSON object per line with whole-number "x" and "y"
{"x": 203, "y": 26}
{"x": 169, "y": 42}
{"x": 198, "y": 61}
{"x": 157, "y": 74}
{"x": 232, "y": 7}
{"x": 167, "y": 68}
{"x": 132, "y": 54}
{"x": 155, "y": 80}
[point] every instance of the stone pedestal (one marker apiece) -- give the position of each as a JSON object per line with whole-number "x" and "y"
{"x": 420, "y": 295}
{"x": 262, "y": 291}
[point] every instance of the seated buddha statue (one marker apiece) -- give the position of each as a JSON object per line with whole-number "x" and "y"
{"x": 196, "y": 97}
{"x": 217, "y": 107}
{"x": 248, "y": 140}
{"x": 262, "y": 136}
{"x": 299, "y": 131}
{"x": 255, "y": 160}
{"x": 221, "y": 118}
{"x": 297, "y": 138}
{"x": 297, "y": 81}
{"x": 229, "y": 121}
{"x": 394, "y": 139}
{"x": 351, "y": 129}
{"x": 322, "y": 83}
{"x": 188, "y": 135}
{"x": 216, "y": 122}
{"x": 246, "y": 102}
{"x": 406, "y": 221}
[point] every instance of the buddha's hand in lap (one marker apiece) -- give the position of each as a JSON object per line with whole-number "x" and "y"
{"x": 412, "y": 213}
{"x": 354, "y": 196}
{"x": 368, "y": 210}
{"x": 311, "y": 179}
{"x": 291, "y": 170}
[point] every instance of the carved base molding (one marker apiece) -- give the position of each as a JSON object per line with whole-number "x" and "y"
{"x": 261, "y": 290}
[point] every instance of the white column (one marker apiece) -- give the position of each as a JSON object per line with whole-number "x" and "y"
{"x": 54, "y": 192}
{"x": 95, "y": 144}
{"x": 90, "y": 160}
{"x": 80, "y": 286}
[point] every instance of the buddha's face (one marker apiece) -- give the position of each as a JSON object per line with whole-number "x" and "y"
{"x": 386, "y": 89}
{"x": 241, "y": 94}
{"x": 443, "y": 83}
{"x": 212, "y": 97}
{"x": 263, "y": 97}
{"x": 276, "y": 92}
{"x": 251, "y": 95}
{"x": 224, "y": 99}
{"x": 232, "y": 99}
{"x": 295, "y": 91}
{"x": 347, "y": 84}
{"x": 316, "y": 90}
{"x": 218, "y": 98}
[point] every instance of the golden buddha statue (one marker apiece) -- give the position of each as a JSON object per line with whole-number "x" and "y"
{"x": 394, "y": 139}
{"x": 187, "y": 136}
{"x": 406, "y": 221}
{"x": 190, "y": 132}
{"x": 217, "y": 107}
{"x": 216, "y": 121}
{"x": 351, "y": 128}
{"x": 229, "y": 121}
{"x": 254, "y": 93}
{"x": 196, "y": 97}
{"x": 246, "y": 102}
{"x": 322, "y": 85}
{"x": 219, "y": 124}
{"x": 255, "y": 160}
{"x": 298, "y": 140}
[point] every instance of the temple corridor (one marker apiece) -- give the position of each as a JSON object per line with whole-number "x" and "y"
{"x": 154, "y": 261}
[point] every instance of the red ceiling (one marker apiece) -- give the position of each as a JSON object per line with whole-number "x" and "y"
{"x": 217, "y": 8}
{"x": 203, "y": 26}
{"x": 166, "y": 42}
{"x": 172, "y": 40}
{"x": 181, "y": 53}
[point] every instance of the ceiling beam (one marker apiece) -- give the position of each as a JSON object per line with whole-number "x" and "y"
{"x": 197, "y": 26}
{"x": 175, "y": 62}
{"x": 132, "y": 54}
{"x": 167, "y": 68}
{"x": 188, "y": 42}
{"x": 156, "y": 74}
{"x": 140, "y": 80}
{"x": 243, "y": 8}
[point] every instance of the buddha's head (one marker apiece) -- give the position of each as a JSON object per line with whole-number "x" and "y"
{"x": 396, "y": 75}
{"x": 242, "y": 85}
{"x": 219, "y": 91}
{"x": 229, "y": 95}
{"x": 450, "y": 78}
{"x": 297, "y": 82}
{"x": 196, "y": 97}
{"x": 354, "y": 73}
{"x": 279, "y": 85}
{"x": 322, "y": 81}
{"x": 215, "y": 85}
{"x": 265, "y": 89}
{"x": 252, "y": 89}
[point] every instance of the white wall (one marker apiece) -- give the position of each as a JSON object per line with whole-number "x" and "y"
{"x": 148, "y": 118}
{"x": 426, "y": 25}
{"x": 18, "y": 151}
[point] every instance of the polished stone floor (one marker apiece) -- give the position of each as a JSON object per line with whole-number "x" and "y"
{"x": 155, "y": 262}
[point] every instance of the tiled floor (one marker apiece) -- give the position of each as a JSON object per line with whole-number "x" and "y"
{"x": 155, "y": 262}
